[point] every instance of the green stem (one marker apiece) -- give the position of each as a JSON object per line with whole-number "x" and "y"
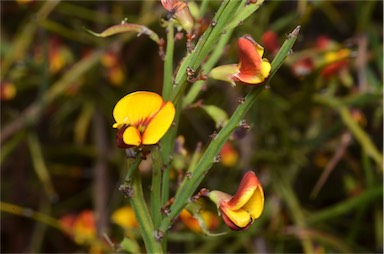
{"x": 353, "y": 126}
{"x": 168, "y": 63}
{"x": 141, "y": 211}
{"x": 205, "y": 44}
{"x": 189, "y": 185}
{"x": 156, "y": 188}
{"x": 213, "y": 58}
{"x": 337, "y": 210}
{"x": 40, "y": 166}
{"x": 289, "y": 197}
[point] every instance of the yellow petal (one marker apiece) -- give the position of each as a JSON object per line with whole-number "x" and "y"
{"x": 259, "y": 49}
{"x": 240, "y": 217}
{"x": 255, "y": 204}
{"x": 159, "y": 124}
{"x": 124, "y": 217}
{"x": 131, "y": 136}
{"x": 136, "y": 107}
{"x": 265, "y": 68}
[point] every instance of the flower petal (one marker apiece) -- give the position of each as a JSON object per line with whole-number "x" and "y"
{"x": 246, "y": 189}
{"x": 255, "y": 204}
{"x": 131, "y": 136}
{"x": 249, "y": 57}
{"x": 136, "y": 107}
{"x": 159, "y": 124}
{"x": 253, "y": 69}
{"x": 240, "y": 217}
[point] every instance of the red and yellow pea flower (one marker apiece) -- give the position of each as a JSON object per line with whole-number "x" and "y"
{"x": 142, "y": 118}
{"x": 242, "y": 209}
{"x": 252, "y": 69}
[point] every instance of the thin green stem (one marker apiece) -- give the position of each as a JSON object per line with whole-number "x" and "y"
{"x": 213, "y": 58}
{"x": 141, "y": 210}
{"x": 168, "y": 62}
{"x": 353, "y": 126}
{"x": 156, "y": 188}
{"x": 297, "y": 213}
{"x": 40, "y": 166}
{"x": 363, "y": 199}
{"x": 205, "y": 44}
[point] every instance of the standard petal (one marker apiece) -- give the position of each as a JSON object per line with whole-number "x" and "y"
{"x": 136, "y": 107}
{"x": 131, "y": 136}
{"x": 240, "y": 217}
{"x": 255, "y": 204}
{"x": 249, "y": 57}
{"x": 159, "y": 124}
{"x": 245, "y": 191}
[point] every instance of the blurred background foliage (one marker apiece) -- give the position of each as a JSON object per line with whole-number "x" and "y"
{"x": 314, "y": 138}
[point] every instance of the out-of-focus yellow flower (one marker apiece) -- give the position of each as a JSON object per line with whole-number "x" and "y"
{"x": 242, "y": 209}
{"x": 228, "y": 155}
{"x": 7, "y": 91}
{"x": 125, "y": 217}
{"x": 209, "y": 220}
{"x": 252, "y": 69}
{"x": 115, "y": 72}
{"x": 142, "y": 118}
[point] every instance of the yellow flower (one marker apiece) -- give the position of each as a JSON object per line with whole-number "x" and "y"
{"x": 240, "y": 210}
{"x": 125, "y": 217}
{"x": 142, "y": 118}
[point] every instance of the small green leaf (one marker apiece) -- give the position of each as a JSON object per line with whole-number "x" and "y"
{"x": 217, "y": 114}
{"x": 129, "y": 245}
{"x": 127, "y": 27}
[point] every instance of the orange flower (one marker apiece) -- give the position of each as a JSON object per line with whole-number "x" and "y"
{"x": 180, "y": 11}
{"x": 252, "y": 68}
{"x": 81, "y": 227}
{"x": 142, "y": 118}
{"x": 228, "y": 155}
{"x": 241, "y": 210}
{"x": 7, "y": 90}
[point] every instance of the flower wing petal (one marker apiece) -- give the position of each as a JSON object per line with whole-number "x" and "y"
{"x": 255, "y": 204}
{"x": 159, "y": 124}
{"x": 246, "y": 189}
{"x": 240, "y": 217}
{"x": 131, "y": 136}
{"x": 136, "y": 107}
